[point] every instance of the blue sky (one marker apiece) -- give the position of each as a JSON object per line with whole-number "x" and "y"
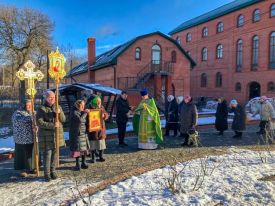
{"x": 113, "y": 22}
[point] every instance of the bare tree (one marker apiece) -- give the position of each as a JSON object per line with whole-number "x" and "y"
{"x": 24, "y": 34}
{"x": 73, "y": 58}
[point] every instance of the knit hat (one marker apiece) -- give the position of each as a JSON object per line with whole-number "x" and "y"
{"x": 143, "y": 92}
{"x": 234, "y": 102}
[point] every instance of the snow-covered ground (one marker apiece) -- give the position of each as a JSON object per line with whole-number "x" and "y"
{"x": 234, "y": 181}
{"x": 7, "y": 143}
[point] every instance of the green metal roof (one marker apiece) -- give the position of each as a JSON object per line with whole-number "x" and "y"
{"x": 221, "y": 11}
{"x": 110, "y": 57}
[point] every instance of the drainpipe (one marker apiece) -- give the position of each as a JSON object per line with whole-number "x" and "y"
{"x": 115, "y": 86}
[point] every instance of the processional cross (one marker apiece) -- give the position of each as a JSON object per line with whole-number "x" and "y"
{"x": 31, "y": 76}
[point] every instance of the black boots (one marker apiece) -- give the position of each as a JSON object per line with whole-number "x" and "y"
{"x": 83, "y": 163}
{"x": 100, "y": 155}
{"x": 101, "y": 159}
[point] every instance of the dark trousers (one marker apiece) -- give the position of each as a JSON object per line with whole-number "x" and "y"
{"x": 49, "y": 161}
{"x": 185, "y": 138}
{"x": 121, "y": 131}
{"x": 100, "y": 154}
{"x": 263, "y": 125}
{"x": 238, "y": 134}
{"x": 171, "y": 126}
{"x": 23, "y": 157}
{"x": 83, "y": 160}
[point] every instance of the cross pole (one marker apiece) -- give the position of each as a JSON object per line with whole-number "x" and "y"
{"x": 57, "y": 72}
{"x": 31, "y": 76}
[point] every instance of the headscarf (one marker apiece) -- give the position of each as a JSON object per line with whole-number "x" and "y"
{"x": 94, "y": 102}
{"x": 170, "y": 98}
{"x": 22, "y": 106}
{"x": 77, "y": 104}
{"x": 180, "y": 99}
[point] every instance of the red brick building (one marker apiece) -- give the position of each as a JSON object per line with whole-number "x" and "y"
{"x": 234, "y": 48}
{"x": 154, "y": 61}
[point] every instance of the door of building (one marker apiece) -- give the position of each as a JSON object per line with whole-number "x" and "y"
{"x": 254, "y": 90}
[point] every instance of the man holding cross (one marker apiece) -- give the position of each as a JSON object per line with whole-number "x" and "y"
{"x": 46, "y": 119}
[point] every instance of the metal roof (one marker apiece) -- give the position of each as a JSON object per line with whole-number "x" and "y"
{"x": 110, "y": 57}
{"x": 88, "y": 86}
{"x": 221, "y": 11}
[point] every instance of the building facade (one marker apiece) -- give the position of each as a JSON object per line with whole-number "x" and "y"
{"x": 234, "y": 48}
{"x": 154, "y": 61}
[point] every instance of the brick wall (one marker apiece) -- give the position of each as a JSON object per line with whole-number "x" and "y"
{"x": 227, "y": 65}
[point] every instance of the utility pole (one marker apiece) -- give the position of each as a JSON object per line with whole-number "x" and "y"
{"x": 48, "y": 66}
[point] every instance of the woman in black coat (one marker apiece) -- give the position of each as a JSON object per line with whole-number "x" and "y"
{"x": 238, "y": 124}
{"x": 188, "y": 119}
{"x": 172, "y": 116}
{"x": 79, "y": 144}
{"x": 221, "y": 123}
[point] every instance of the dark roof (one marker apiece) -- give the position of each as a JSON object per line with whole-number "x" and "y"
{"x": 221, "y": 11}
{"x": 88, "y": 86}
{"x": 110, "y": 57}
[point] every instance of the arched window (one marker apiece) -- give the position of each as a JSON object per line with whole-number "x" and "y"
{"x": 138, "y": 53}
{"x": 238, "y": 87}
{"x": 272, "y": 50}
{"x": 240, "y": 21}
{"x": 271, "y": 87}
{"x": 220, "y": 27}
{"x": 156, "y": 54}
{"x": 256, "y": 15}
{"x": 205, "y": 32}
{"x": 272, "y": 10}
{"x": 239, "y": 59}
{"x": 219, "y": 52}
{"x": 203, "y": 80}
{"x": 255, "y": 52}
{"x": 188, "y": 37}
{"x": 204, "y": 54}
{"x": 178, "y": 39}
{"x": 174, "y": 56}
{"x": 218, "y": 79}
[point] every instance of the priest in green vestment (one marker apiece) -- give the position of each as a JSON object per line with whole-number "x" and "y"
{"x": 146, "y": 123}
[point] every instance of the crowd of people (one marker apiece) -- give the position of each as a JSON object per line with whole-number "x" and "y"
{"x": 181, "y": 117}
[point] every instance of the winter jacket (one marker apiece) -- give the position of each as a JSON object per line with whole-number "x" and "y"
{"x": 221, "y": 123}
{"x": 101, "y": 134}
{"x": 238, "y": 123}
{"x": 78, "y": 135}
{"x": 266, "y": 111}
{"x": 122, "y": 108}
{"x": 22, "y": 127}
{"x": 46, "y": 122}
{"x": 188, "y": 117}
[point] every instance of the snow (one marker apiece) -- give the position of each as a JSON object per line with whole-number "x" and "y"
{"x": 234, "y": 181}
{"x": 38, "y": 192}
{"x": 6, "y": 144}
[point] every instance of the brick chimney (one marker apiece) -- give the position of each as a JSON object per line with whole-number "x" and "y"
{"x": 91, "y": 58}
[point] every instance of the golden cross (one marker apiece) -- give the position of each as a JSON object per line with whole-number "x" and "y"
{"x": 30, "y": 76}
